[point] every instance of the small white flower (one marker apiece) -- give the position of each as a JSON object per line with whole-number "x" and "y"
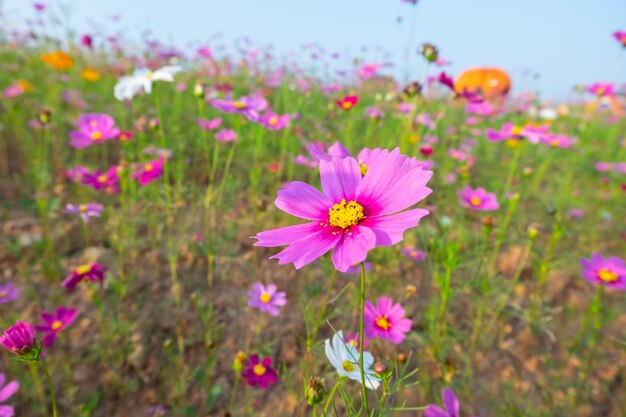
{"x": 345, "y": 358}
{"x": 142, "y": 78}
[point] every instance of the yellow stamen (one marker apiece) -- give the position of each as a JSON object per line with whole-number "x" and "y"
{"x": 513, "y": 143}
{"x": 82, "y": 208}
{"x": 3, "y": 294}
{"x": 348, "y": 366}
{"x": 363, "y": 168}
{"x": 149, "y": 75}
{"x": 148, "y": 167}
{"x": 383, "y": 323}
{"x": 475, "y": 201}
{"x": 83, "y": 269}
{"x": 96, "y": 135}
{"x": 345, "y": 214}
{"x": 346, "y": 105}
{"x": 259, "y": 369}
{"x": 273, "y": 121}
{"x": 56, "y": 325}
{"x": 266, "y": 298}
{"x": 102, "y": 178}
{"x": 517, "y": 130}
{"x": 607, "y": 275}
{"x": 239, "y": 105}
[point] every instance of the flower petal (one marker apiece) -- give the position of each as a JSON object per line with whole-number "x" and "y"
{"x": 302, "y": 200}
{"x": 285, "y": 235}
{"x": 353, "y": 247}
{"x": 389, "y": 229}
{"x": 340, "y": 178}
{"x": 8, "y": 390}
{"x": 309, "y": 248}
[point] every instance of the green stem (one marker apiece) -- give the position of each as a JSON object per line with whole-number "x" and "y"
{"x": 53, "y": 396}
{"x": 323, "y": 312}
{"x": 362, "y": 339}
{"x": 231, "y": 401}
{"x": 330, "y": 398}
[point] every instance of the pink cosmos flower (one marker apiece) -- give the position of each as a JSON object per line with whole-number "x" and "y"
{"x": 478, "y": 199}
{"x": 558, "y": 141}
{"x": 609, "y": 271}
{"x": 246, "y": 106}
{"x": 86, "y": 41}
{"x": 446, "y": 80}
{"x": 273, "y": 121}
{"x": 386, "y": 320}
{"x": 534, "y": 134}
{"x": 6, "y": 391}
{"x": 354, "y": 214}
{"x": 85, "y": 210}
{"x": 90, "y": 272}
{"x": 103, "y": 181}
{"x": 259, "y": 373}
{"x": 374, "y": 113}
{"x": 414, "y": 254}
{"x": 331, "y": 88}
{"x": 602, "y": 89}
{"x": 207, "y": 124}
{"x": 367, "y": 71}
{"x": 424, "y": 119}
{"x": 450, "y": 403}
{"x": 54, "y": 323}
{"x": 93, "y": 128}
{"x": 620, "y": 36}
{"x": 226, "y": 135}
{"x": 19, "y": 338}
{"x": 348, "y": 102}
{"x": 266, "y": 299}
{"x": 149, "y": 171}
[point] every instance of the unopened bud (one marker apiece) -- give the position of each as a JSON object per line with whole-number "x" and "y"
{"x": 198, "y": 90}
{"x": 315, "y": 391}
{"x": 45, "y": 115}
{"x": 533, "y": 232}
{"x": 239, "y": 361}
{"x": 401, "y": 358}
{"x": 430, "y": 52}
{"x": 380, "y": 368}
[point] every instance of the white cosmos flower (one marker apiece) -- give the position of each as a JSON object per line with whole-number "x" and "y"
{"x": 345, "y": 358}
{"x": 142, "y": 78}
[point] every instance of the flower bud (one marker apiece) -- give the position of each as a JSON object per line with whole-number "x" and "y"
{"x": 239, "y": 361}
{"x": 401, "y": 358}
{"x": 380, "y": 368}
{"x": 430, "y": 52}
{"x": 45, "y": 115}
{"x": 315, "y": 391}
{"x": 198, "y": 90}
{"x": 20, "y": 340}
{"x": 533, "y": 232}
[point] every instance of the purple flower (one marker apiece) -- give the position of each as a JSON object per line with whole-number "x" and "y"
{"x": 247, "y": 106}
{"x": 354, "y": 214}
{"x": 8, "y": 293}
{"x": 93, "y": 128}
{"x": 85, "y": 210}
{"x": 609, "y": 271}
{"x": 226, "y": 135}
{"x": 478, "y": 199}
{"x": 450, "y": 402}
{"x": 19, "y": 338}
{"x": 54, "y": 323}
{"x": 86, "y": 41}
{"x": 386, "y": 320}
{"x": 6, "y": 391}
{"x": 414, "y": 254}
{"x": 374, "y": 113}
{"x": 103, "y": 181}
{"x": 266, "y": 298}
{"x": 259, "y": 373}
{"x": 149, "y": 171}
{"x": 90, "y": 272}
{"x": 207, "y": 124}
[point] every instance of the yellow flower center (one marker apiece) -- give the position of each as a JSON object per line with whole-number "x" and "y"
{"x": 607, "y": 275}
{"x": 149, "y": 75}
{"x": 475, "y": 201}
{"x": 517, "y": 130}
{"x": 82, "y": 208}
{"x": 259, "y": 369}
{"x": 348, "y": 366}
{"x": 363, "y": 168}
{"x": 346, "y": 105}
{"x": 96, "y": 135}
{"x": 513, "y": 143}
{"x": 56, "y": 325}
{"x": 3, "y": 294}
{"x": 555, "y": 143}
{"x": 83, "y": 269}
{"x": 266, "y": 298}
{"x": 102, "y": 178}
{"x": 148, "y": 167}
{"x": 383, "y": 323}
{"x": 273, "y": 121}
{"x": 413, "y": 254}
{"x": 345, "y": 214}
{"x": 239, "y": 105}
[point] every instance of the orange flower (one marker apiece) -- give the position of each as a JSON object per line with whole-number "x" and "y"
{"x": 58, "y": 60}
{"x": 90, "y": 74}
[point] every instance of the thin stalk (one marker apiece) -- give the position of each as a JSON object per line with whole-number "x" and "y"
{"x": 362, "y": 339}
{"x": 53, "y": 396}
{"x": 323, "y": 312}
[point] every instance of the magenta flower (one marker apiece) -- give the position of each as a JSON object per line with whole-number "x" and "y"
{"x": 85, "y": 210}
{"x": 354, "y": 214}
{"x": 86, "y": 41}
{"x": 19, "y": 338}
{"x": 386, "y": 320}
{"x": 478, "y": 199}
{"x": 368, "y": 71}
{"x": 226, "y": 135}
{"x": 93, "y": 128}
{"x": 149, "y": 171}
{"x": 414, "y": 254}
{"x": 446, "y": 80}
{"x": 6, "y": 391}
{"x": 374, "y": 113}
{"x": 609, "y": 271}
{"x": 602, "y": 89}
{"x": 267, "y": 299}
{"x": 259, "y": 373}
{"x": 450, "y": 403}
{"x": 90, "y": 272}
{"x": 534, "y": 134}
{"x": 273, "y": 121}
{"x": 207, "y": 124}
{"x": 620, "y": 36}
{"x": 354, "y": 340}
{"x": 8, "y": 293}
{"x": 54, "y": 323}
{"x": 246, "y": 106}
{"x": 103, "y": 181}
{"x": 558, "y": 140}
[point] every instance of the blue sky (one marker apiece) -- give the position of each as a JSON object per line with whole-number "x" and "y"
{"x": 566, "y": 42}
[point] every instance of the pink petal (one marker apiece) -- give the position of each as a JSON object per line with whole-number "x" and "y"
{"x": 340, "y": 178}
{"x": 450, "y": 402}
{"x": 8, "y": 390}
{"x": 309, "y": 248}
{"x": 389, "y": 229}
{"x": 353, "y": 247}
{"x": 285, "y": 235}
{"x": 302, "y": 200}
